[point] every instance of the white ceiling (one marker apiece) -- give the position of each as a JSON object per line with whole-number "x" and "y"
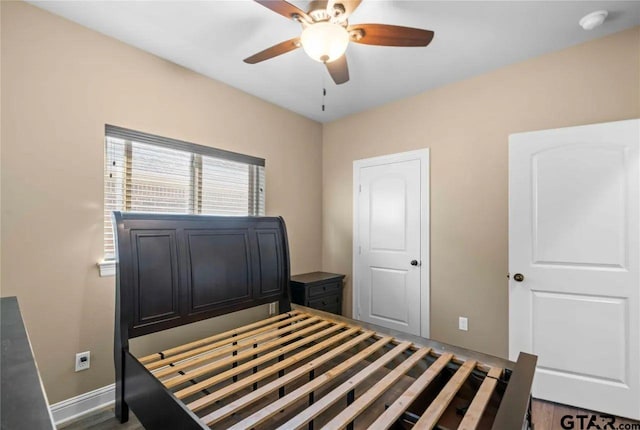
{"x": 471, "y": 37}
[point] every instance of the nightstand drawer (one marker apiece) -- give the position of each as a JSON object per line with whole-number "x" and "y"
{"x": 328, "y": 303}
{"x": 322, "y": 289}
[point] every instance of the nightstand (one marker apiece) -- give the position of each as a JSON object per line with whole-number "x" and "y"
{"x": 318, "y": 290}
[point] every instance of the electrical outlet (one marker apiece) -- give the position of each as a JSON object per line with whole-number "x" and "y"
{"x": 272, "y": 308}
{"x": 83, "y": 360}
{"x": 463, "y": 323}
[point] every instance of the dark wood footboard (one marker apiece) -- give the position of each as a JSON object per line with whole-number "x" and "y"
{"x": 515, "y": 408}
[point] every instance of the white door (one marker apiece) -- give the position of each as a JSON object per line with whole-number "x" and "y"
{"x": 391, "y": 261}
{"x": 574, "y": 230}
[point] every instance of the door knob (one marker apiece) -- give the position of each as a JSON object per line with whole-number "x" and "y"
{"x": 414, "y": 262}
{"x": 518, "y": 277}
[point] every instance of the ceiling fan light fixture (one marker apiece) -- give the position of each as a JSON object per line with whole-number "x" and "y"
{"x": 325, "y": 41}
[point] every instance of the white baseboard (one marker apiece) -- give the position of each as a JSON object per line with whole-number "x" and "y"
{"x": 75, "y": 407}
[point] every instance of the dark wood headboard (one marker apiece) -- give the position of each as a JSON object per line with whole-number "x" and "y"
{"x": 177, "y": 269}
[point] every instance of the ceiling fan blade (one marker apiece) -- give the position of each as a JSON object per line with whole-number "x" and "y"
{"x": 339, "y": 70}
{"x": 274, "y": 51}
{"x": 348, "y": 5}
{"x": 285, "y": 9}
{"x": 389, "y": 35}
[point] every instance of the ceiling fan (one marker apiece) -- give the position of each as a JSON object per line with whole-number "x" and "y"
{"x": 326, "y": 33}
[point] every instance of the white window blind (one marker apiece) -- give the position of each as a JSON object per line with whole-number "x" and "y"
{"x": 147, "y": 173}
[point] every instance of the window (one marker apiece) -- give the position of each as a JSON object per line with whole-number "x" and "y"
{"x": 147, "y": 173}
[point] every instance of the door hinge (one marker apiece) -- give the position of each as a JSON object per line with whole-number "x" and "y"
{"x": 359, "y": 249}
{"x": 360, "y": 188}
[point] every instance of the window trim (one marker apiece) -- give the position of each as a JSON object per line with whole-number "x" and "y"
{"x": 167, "y": 142}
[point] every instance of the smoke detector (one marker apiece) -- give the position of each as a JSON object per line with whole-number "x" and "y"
{"x": 593, "y": 20}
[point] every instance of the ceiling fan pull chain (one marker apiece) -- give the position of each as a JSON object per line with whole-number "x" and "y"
{"x": 324, "y": 93}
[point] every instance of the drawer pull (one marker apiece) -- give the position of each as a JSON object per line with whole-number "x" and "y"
{"x": 318, "y": 290}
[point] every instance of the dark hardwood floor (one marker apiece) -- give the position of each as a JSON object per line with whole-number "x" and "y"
{"x": 546, "y": 416}
{"x": 550, "y": 416}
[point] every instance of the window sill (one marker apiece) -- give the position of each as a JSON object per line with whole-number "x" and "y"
{"x": 107, "y": 268}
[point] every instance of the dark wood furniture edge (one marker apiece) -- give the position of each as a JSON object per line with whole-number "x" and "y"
{"x": 24, "y": 401}
{"x": 284, "y": 305}
{"x": 515, "y": 408}
{"x": 301, "y": 277}
{"x": 155, "y": 406}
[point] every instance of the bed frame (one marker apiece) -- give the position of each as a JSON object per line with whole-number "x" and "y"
{"x": 174, "y": 270}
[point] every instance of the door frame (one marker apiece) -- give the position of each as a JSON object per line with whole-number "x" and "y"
{"x": 425, "y": 258}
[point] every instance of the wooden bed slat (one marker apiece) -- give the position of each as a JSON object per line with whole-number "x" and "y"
{"x": 309, "y": 387}
{"x": 256, "y": 377}
{"x": 414, "y": 347}
{"x": 366, "y": 399}
{"x": 228, "y": 342}
{"x": 481, "y": 400}
{"x": 207, "y": 368}
{"x": 186, "y": 392}
{"x": 211, "y": 353}
{"x": 430, "y": 417}
{"x": 229, "y": 333}
{"x": 397, "y": 408}
{"x": 330, "y": 398}
{"x": 304, "y": 370}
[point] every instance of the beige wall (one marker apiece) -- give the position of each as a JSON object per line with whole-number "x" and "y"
{"x": 60, "y": 84}
{"x": 466, "y": 126}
